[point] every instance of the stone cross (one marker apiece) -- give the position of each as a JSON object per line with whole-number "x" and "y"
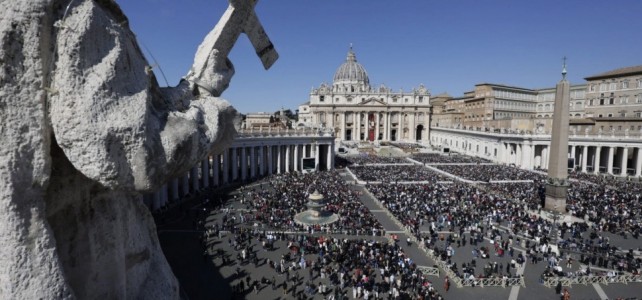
{"x": 215, "y": 49}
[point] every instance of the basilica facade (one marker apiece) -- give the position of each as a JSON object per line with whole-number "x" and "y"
{"x": 357, "y": 111}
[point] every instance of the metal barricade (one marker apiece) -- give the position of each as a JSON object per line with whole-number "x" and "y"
{"x": 432, "y": 271}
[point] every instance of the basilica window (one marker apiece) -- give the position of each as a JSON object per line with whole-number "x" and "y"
{"x": 321, "y": 98}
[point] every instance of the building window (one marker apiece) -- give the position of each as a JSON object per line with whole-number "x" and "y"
{"x": 321, "y": 98}
{"x": 421, "y": 99}
{"x": 592, "y": 88}
{"x": 625, "y": 84}
{"x": 610, "y": 115}
{"x": 638, "y": 115}
{"x": 639, "y": 83}
{"x": 619, "y": 128}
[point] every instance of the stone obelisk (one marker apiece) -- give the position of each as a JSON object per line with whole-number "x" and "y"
{"x": 557, "y": 183}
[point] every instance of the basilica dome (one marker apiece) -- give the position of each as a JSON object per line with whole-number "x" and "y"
{"x": 351, "y": 72}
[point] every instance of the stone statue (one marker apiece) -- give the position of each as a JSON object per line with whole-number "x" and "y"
{"x": 85, "y": 128}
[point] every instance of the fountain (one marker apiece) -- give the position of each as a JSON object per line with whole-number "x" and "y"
{"x": 316, "y": 213}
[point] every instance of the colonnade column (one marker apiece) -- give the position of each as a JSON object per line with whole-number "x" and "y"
{"x": 235, "y": 163}
{"x": 505, "y": 153}
{"x": 226, "y": 166}
{"x": 216, "y": 168}
{"x": 287, "y": 158}
{"x": 609, "y": 167}
{"x": 278, "y": 160}
{"x": 624, "y": 162}
{"x": 270, "y": 160}
{"x": 244, "y": 163}
{"x": 316, "y": 156}
{"x": 527, "y": 157}
{"x": 296, "y": 157}
{"x": 330, "y": 156}
{"x": 253, "y": 162}
{"x": 205, "y": 172}
{"x": 638, "y": 163}
{"x": 598, "y": 154}
{"x": 262, "y": 163}
{"x": 573, "y": 151}
{"x": 584, "y": 157}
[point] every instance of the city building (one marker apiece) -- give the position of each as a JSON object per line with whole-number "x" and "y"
{"x": 512, "y": 125}
{"x": 357, "y": 111}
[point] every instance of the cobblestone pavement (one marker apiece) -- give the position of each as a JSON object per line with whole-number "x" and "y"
{"x": 206, "y": 276}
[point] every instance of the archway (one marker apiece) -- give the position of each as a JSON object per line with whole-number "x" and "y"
{"x": 419, "y": 132}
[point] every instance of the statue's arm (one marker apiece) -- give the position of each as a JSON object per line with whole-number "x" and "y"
{"x": 111, "y": 119}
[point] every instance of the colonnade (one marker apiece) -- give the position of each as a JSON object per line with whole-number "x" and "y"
{"x": 246, "y": 160}
{"x": 597, "y": 155}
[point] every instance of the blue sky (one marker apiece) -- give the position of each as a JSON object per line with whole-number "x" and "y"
{"x": 449, "y": 46}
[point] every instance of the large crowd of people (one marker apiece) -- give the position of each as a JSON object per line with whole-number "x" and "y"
{"x": 501, "y": 221}
{"x": 446, "y": 158}
{"x": 365, "y": 158}
{"x": 396, "y": 173}
{"x": 274, "y": 203}
{"x": 500, "y": 211}
{"x": 486, "y": 173}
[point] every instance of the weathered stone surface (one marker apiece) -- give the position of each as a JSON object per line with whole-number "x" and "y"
{"x": 84, "y": 128}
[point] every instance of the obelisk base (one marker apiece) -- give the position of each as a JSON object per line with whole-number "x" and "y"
{"x": 556, "y": 197}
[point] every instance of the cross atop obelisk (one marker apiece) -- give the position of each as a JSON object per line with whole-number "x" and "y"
{"x": 557, "y": 183}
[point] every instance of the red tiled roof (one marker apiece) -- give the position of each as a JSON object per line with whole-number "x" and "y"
{"x": 617, "y": 72}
